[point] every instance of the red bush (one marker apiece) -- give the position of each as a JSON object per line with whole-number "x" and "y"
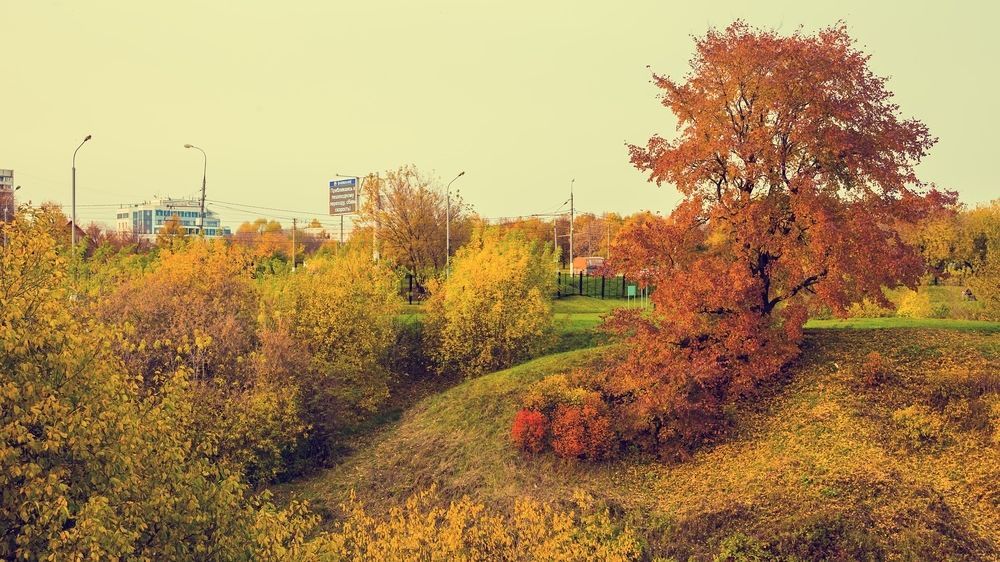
{"x": 528, "y": 431}
{"x": 581, "y": 431}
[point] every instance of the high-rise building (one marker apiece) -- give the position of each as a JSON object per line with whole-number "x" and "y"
{"x": 6, "y": 180}
{"x": 146, "y": 220}
{"x": 7, "y": 206}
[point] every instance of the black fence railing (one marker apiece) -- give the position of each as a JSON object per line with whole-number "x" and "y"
{"x": 411, "y": 289}
{"x": 597, "y": 286}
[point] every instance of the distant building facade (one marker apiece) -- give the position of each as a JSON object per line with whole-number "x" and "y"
{"x": 146, "y": 220}
{"x": 7, "y": 206}
{"x": 591, "y": 265}
{"x": 6, "y": 180}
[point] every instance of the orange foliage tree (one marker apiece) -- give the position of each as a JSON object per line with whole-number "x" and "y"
{"x": 794, "y": 166}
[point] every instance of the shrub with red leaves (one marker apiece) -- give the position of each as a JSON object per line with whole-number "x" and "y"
{"x": 528, "y": 431}
{"x": 581, "y": 432}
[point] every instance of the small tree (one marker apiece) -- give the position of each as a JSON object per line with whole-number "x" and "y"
{"x": 408, "y": 209}
{"x": 495, "y": 308}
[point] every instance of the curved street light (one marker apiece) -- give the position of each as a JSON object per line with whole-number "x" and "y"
{"x": 447, "y": 227}
{"x": 73, "y": 229}
{"x": 204, "y": 174}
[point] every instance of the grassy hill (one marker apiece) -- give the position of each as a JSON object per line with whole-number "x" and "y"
{"x": 820, "y": 465}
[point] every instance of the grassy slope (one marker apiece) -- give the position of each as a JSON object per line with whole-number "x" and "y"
{"x": 817, "y": 461}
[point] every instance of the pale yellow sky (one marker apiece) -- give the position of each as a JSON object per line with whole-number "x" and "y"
{"x": 523, "y": 96}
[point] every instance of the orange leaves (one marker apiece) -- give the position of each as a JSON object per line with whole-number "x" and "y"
{"x": 581, "y": 432}
{"x": 561, "y": 414}
{"x": 528, "y": 430}
{"x": 795, "y": 168}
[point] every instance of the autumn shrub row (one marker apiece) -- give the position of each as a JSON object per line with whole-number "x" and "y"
{"x": 95, "y": 465}
{"x": 426, "y": 527}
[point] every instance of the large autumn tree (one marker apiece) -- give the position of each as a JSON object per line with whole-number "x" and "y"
{"x": 794, "y": 165}
{"x": 408, "y": 209}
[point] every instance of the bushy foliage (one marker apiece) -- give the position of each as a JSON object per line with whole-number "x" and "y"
{"x": 528, "y": 431}
{"x": 868, "y": 308}
{"x": 581, "y": 431}
{"x": 422, "y": 529}
{"x": 196, "y": 308}
{"x": 333, "y": 322}
{"x": 90, "y": 466}
{"x": 920, "y": 426}
{"x": 495, "y": 308}
{"x": 875, "y": 369}
{"x": 914, "y": 304}
{"x": 566, "y": 417}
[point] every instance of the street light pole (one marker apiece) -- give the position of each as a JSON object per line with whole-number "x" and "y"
{"x": 204, "y": 174}
{"x": 73, "y": 229}
{"x": 447, "y": 227}
{"x": 6, "y": 206}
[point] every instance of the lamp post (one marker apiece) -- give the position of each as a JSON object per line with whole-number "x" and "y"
{"x": 73, "y": 229}
{"x": 447, "y": 227}
{"x": 6, "y": 206}
{"x": 204, "y": 174}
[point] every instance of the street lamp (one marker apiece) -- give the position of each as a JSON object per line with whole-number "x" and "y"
{"x": 73, "y": 229}
{"x": 204, "y": 174}
{"x": 10, "y": 203}
{"x": 6, "y": 207}
{"x": 447, "y": 227}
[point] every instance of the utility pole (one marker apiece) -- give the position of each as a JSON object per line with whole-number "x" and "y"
{"x": 572, "y": 216}
{"x": 378, "y": 211}
{"x": 555, "y": 239}
{"x": 607, "y": 222}
{"x": 204, "y": 174}
{"x": 294, "y": 224}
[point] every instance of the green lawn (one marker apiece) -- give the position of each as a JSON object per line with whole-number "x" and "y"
{"x": 895, "y": 322}
{"x": 576, "y": 317}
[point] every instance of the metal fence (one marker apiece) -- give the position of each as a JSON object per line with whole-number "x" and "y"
{"x": 411, "y": 290}
{"x": 597, "y": 286}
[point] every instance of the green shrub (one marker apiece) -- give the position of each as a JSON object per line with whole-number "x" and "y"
{"x": 741, "y": 548}
{"x": 921, "y": 427}
{"x": 874, "y": 369}
{"x": 868, "y": 308}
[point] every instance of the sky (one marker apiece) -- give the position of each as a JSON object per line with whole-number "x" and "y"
{"x": 524, "y": 96}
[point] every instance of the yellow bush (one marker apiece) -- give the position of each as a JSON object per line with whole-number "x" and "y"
{"x": 90, "y": 467}
{"x": 914, "y": 304}
{"x": 422, "y": 529}
{"x": 920, "y": 426}
{"x": 338, "y": 314}
{"x": 868, "y": 308}
{"x": 495, "y": 308}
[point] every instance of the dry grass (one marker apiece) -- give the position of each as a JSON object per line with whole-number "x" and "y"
{"x": 816, "y": 469}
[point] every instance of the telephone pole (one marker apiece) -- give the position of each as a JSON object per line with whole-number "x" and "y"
{"x": 204, "y": 174}
{"x": 572, "y": 216}
{"x": 294, "y": 224}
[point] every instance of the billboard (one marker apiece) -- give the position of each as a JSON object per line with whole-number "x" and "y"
{"x": 344, "y": 196}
